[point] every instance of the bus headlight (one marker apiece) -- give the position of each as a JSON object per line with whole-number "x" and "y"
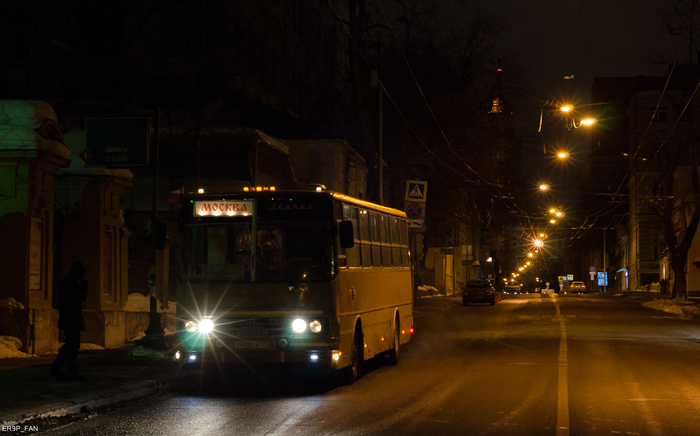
{"x": 299, "y": 325}
{"x": 206, "y": 326}
{"x": 315, "y": 326}
{"x": 191, "y": 326}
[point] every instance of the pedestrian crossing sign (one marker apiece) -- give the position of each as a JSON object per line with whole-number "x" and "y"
{"x": 416, "y": 190}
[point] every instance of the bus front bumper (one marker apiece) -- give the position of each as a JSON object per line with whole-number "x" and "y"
{"x": 220, "y": 352}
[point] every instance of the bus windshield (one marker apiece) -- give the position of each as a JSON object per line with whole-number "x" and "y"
{"x": 285, "y": 251}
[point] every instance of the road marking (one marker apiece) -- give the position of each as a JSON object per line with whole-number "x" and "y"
{"x": 563, "y": 391}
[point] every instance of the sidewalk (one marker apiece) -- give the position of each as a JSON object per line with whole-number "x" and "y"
{"x": 29, "y": 392}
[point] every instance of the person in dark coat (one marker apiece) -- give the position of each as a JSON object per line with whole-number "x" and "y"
{"x": 72, "y": 292}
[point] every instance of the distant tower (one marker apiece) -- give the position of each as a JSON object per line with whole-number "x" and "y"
{"x": 496, "y": 101}
{"x": 505, "y": 143}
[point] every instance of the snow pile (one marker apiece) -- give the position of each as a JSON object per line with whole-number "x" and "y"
{"x": 142, "y": 303}
{"x": 430, "y": 290}
{"x": 9, "y": 347}
{"x": 84, "y": 347}
{"x": 676, "y": 306}
{"x": 10, "y": 303}
{"x": 143, "y": 334}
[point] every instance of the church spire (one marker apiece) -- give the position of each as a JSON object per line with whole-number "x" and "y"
{"x": 497, "y": 93}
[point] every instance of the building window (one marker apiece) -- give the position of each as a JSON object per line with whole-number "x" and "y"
{"x": 658, "y": 115}
{"x": 656, "y": 248}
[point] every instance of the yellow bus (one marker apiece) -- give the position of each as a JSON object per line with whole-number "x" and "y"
{"x": 284, "y": 277}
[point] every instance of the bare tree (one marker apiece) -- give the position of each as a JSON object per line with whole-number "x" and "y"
{"x": 681, "y": 19}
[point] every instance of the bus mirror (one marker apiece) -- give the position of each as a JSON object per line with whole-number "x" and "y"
{"x": 347, "y": 239}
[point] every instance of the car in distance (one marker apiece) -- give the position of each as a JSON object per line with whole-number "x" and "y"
{"x": 577, "y": 288}
{"x": 513, "y": 288}
{"x": 478, "y": 291}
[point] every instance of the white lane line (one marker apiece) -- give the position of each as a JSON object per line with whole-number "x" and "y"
{"x": 563, "y": 391}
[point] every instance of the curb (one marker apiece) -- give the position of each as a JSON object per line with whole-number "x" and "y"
{"x": 105, "y": 398}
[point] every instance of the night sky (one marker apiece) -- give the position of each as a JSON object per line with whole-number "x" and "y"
{"x": 583, "y": 38}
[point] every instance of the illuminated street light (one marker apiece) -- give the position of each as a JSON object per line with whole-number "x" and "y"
{"x": 566, "y": 108}
{"x": 553, "y": 221}
{"x": 562, "y": 155}
{"x": 544, "y": 187}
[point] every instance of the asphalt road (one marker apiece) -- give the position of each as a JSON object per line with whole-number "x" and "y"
{"x": 530, "y": 365}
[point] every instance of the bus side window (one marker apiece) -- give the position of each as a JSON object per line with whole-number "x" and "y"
{"x": 384, "y": 235}
{"x": 366, "y": 247}
{"x": 374, "y": 224}
{"x": 395, "y": 248}
{"x": 353, "y": 254}
{"x": 403, "y": 235}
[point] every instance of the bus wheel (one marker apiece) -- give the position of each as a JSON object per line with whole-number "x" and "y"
{"x": 394, "y": 352}
{"x": 352, "y": 371}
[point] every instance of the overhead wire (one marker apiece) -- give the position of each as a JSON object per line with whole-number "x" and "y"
{"x": 498, "y": 194}
{"x": 638, "y": 183}
{"x": 432, "y": 113}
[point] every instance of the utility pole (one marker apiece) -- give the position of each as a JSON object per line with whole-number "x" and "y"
{"x": 154, "y": 333}
{"x": 605, "y": 269}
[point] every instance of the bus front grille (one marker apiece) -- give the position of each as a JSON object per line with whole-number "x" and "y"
{"x": 253, "y": 327}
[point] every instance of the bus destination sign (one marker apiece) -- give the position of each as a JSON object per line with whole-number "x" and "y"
{"x": 223, "y": 207}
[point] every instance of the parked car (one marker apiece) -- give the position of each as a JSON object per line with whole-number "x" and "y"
{"x": 478, "y": 291}
{"x": 577, "y": 288}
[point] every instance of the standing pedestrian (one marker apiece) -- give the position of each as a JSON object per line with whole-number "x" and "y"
{"x": 72, "y": 292}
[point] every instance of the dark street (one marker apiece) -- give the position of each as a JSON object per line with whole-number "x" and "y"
{"x": 590, "y": 364}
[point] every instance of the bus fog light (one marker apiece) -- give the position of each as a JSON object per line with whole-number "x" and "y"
{"x": 314, "y": 357}
{"x": 315, "y": 326}
{"x": 282, "y": 343}
{"x": 299, "y": 325}
{"x": 191, "y": 326}
{"x": 177, "y": 355}
{"x": 193, "y": 357}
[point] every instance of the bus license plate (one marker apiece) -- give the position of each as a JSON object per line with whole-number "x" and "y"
{"x": 252, "y": 344}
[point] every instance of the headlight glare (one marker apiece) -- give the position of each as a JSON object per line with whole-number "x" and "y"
{"x": 315, "y": 326}
{"x": 191, "y": 326}
{"x": 206, "y": 325}
{"x": 299, "y": 325}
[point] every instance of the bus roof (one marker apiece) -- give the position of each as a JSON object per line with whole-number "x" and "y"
{"x": 342, "y": 197}
{"x": 367, "y": 204}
